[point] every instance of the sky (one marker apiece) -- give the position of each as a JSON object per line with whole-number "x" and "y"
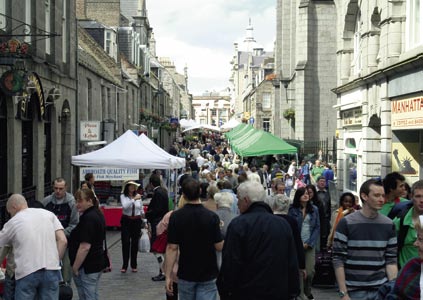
{"x": 201, "y": 34}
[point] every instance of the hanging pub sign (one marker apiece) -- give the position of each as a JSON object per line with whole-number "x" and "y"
{"x": 14, "y": 48}
{"x": 12, "y": 82}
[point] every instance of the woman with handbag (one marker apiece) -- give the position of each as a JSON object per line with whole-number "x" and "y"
{"x": 131, "y": 223}
{"x": 86, "y": 241}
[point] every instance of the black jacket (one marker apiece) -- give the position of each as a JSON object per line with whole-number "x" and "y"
{"x": 259, "y": 259}
{"x": 158, "y": 207}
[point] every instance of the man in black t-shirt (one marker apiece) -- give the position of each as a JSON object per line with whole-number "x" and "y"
{"x": 195, "y": 232}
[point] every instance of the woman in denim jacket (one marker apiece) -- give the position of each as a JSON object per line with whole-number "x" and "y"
{"x": 307, "y": 217}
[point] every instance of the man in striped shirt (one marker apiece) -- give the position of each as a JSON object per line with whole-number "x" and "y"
{"x": 365, "y": 247}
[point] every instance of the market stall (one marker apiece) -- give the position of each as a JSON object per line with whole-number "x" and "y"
{"x": 120, "y": 158}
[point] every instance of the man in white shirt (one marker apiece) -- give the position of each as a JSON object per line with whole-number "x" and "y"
{"x": 38, "y": 242}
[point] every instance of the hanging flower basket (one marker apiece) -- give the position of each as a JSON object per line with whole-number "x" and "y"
{"x": 289, "y": 114}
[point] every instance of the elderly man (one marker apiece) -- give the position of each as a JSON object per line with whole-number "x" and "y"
{"x": 250, "y": 269}
{"x": 38, "y": 242}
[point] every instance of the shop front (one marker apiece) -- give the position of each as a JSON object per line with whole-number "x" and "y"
{"x": 407, "y": 136}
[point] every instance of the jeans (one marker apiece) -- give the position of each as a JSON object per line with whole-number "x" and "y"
{"x": 9, "y": 288}
{"x": 42, "y": 283}
{"x": 363, "y": 294}
{"x": 87, "y": 285}
{"x": 189, "y": 290}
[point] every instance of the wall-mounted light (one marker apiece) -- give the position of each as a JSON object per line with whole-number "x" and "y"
{"x": 64, "y": 115}
{"x": 54, "y": 93}
{"x": 30, "y": 87}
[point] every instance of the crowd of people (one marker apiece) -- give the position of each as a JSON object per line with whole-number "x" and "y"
{"x": 229, "y": 232}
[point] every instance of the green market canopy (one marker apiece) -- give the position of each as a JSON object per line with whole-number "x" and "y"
{"x": 247, "y": 141}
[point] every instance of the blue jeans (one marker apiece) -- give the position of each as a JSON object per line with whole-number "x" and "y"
{"x": 87, "y": 285}
{"x": 363, "y": 294}
{"x": 9, "y": 288}
{"x": 42, "y": 283}
{"x": 189, "y": 290}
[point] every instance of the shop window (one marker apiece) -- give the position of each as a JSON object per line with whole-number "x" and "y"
{"x": 351, "y": 172}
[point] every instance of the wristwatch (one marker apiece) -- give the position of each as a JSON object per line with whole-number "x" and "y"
{"x": 342, "y": 294}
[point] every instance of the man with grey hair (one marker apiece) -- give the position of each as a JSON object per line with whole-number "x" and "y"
{"x": 38, "y": 242}
{"x": 247, "y": 249}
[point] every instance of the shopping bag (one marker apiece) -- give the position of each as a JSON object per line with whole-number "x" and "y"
{"x": 160, "y": 243}
{"x": 144, "y": 242}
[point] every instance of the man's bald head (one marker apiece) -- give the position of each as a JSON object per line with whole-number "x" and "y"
{"x": 16, "y": 203}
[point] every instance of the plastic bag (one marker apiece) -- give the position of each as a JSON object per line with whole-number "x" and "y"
{"x": 144, "y": 242}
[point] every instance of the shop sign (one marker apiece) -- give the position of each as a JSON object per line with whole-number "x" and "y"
{"x": 351, "y": 117}
{"x": 110, "y": 174}
{"x": 407, "y": 113}
{"x": 89, "y": 131}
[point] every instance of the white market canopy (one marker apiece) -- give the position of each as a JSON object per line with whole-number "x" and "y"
{"x": 187, "y": 123}
{"x": 232, "y": 123}
{"x": 130, "y": 151}
{"x": 203, "y": 126}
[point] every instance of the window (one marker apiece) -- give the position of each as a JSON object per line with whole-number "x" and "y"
{"x": 48, "y": 25}
{"x": 357, "y": 42}
{"x": 266, "y": 101}
{"x": 414, "y": 25}
{"x": 64, "y": 32}
{"x": 108, "y": 42}
{"x": 266, "y": 125}
{"x": 2, "y": 11}
{"x": 90, "y": 99}
{"x": 27, "y": 19}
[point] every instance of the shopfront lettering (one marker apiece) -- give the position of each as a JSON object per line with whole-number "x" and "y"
{"x": 408, "y": 105}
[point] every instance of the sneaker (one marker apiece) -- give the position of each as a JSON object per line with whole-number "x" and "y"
{"x": 310, "y": 297}
{"x": 159, "y": 277}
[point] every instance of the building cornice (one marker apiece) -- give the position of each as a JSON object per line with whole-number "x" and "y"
{"x": 409, "y": 64}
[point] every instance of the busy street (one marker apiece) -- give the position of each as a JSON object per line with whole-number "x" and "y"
{"x": 115, "y": 285}
{"x": 213, "y": 150}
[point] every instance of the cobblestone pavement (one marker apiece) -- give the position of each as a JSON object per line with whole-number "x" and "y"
{"x": 136, "y": 286}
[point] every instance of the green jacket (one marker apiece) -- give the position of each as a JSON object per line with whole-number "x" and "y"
{"x": 386, "y": 208}
{"x": 408, "y": 251}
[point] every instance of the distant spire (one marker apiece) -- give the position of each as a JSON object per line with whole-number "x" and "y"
{"x": 249, "y": 41}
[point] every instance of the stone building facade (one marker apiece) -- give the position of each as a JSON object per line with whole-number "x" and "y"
{"x": 38, "y": 111}
{"x": 305, "y": 64}
{"x": 380, "y": 104}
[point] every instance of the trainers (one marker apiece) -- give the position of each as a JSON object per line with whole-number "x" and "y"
{"x": 310, "y": 297}
{"x": 159, "y": 277}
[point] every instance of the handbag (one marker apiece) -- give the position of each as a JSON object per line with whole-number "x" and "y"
{"x": 144, "y": 242}
{"x": 65, "y": 291}
{"x": 160, "y": 243}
